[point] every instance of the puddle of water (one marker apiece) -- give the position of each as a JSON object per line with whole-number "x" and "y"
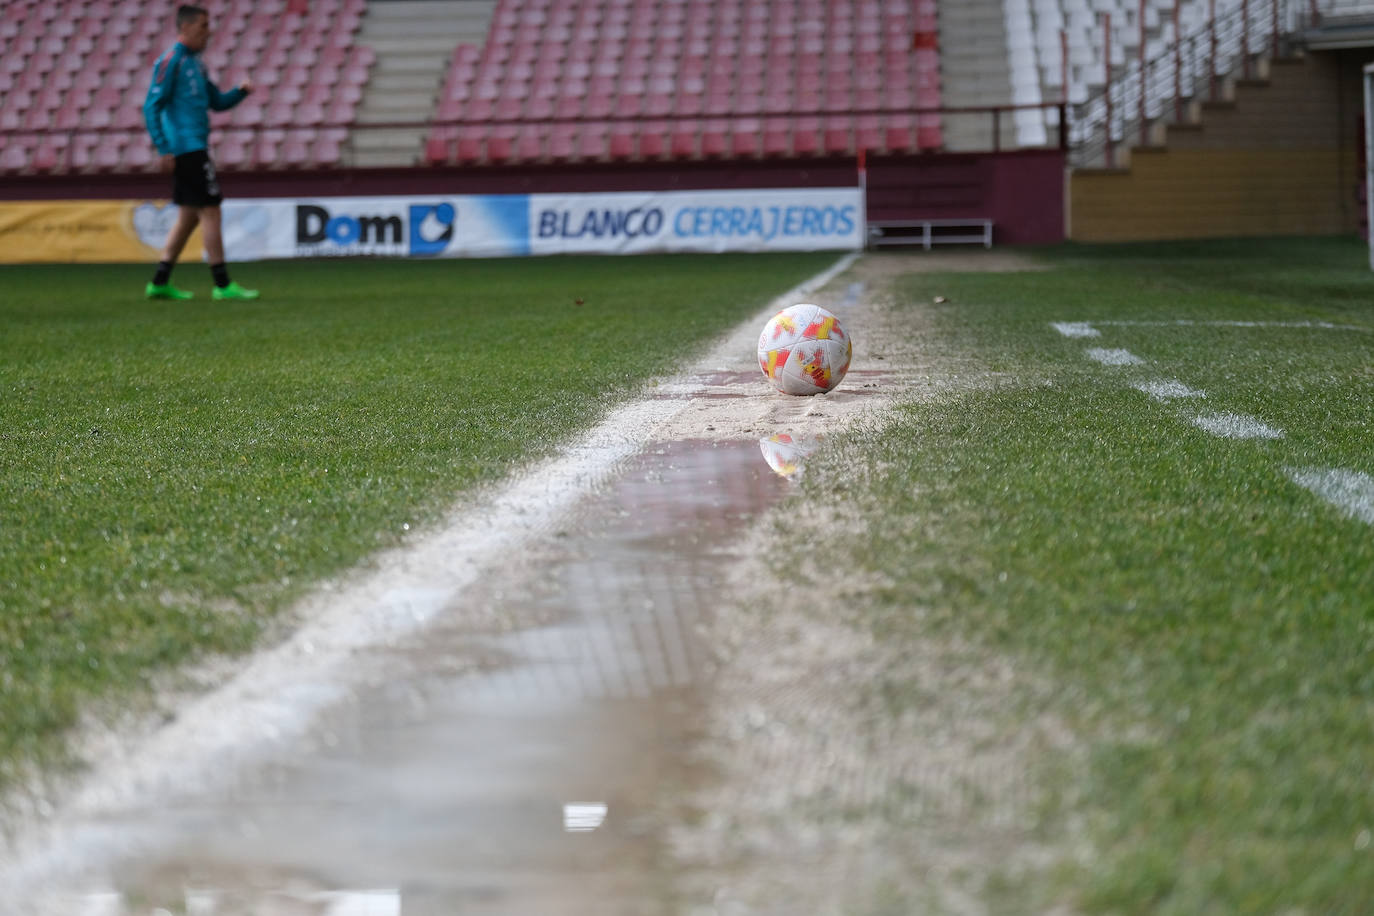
{"x": 521, "y": 770}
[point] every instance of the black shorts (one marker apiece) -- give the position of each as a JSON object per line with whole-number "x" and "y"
{"x": 194, "y": 182}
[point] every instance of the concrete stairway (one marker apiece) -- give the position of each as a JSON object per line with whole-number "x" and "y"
{"x": 974, "y": 71}
{"x": 414, "y": 42}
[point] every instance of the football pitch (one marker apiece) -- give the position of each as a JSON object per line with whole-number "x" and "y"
{"x": 1144, "y": 474}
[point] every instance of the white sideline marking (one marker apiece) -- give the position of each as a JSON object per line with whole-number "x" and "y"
{"x": 1168, "y": 390}
{"x": 1350, "y": 491}
{"x": 1114, "y": 357}
{"x": 1075, "y": 329}
{"x": 1236, "y": 426}
{"x": 1189, "y": 322}
{"x": 583, "y": 817}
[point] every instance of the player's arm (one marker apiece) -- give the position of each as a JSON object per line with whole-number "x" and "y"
{"x": 160, "y": 93}
{"x": 223, "y": 101}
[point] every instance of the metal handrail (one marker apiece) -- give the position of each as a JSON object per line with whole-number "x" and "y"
{"x": 1146, "y": 90}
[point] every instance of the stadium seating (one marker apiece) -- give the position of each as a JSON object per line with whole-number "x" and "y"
{"x": 75, "y": 72}
{"x": 564, "y": 80}
{"x": 605, "y": 80}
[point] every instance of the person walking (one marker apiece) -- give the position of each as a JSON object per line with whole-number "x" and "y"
{"x": 177, "y": 113}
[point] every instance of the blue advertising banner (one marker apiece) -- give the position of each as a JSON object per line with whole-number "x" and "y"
{"x": 472, "y": 226}
{"x": 410, "y": 227}
{"x": 796, "y": 219}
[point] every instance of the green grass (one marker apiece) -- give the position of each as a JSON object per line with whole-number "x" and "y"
{"x": 171, "y": 474}
{"x": 1209, "y": 623}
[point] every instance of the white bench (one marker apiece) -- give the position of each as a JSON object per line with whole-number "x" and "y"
{"x": 928, "y": 232}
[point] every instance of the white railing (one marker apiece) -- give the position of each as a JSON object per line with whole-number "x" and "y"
{"x": 1174, "y": 66}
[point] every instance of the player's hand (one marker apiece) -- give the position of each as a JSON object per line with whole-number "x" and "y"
{"x": 168, "y": 163}
{"x": 246, "y": 86}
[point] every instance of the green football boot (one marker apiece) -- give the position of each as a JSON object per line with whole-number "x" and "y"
{"x": 166, "y": 291}
{"x": 234, "y": 291}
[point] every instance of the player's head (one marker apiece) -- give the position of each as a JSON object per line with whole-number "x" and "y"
{"x": 193, "y": 26}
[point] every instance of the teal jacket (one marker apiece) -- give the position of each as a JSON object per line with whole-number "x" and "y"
{"x": 177, "y": 109}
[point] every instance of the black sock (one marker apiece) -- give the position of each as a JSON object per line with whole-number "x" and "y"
{"x": 221, "y": 274}
{"x": 164, "y": 273}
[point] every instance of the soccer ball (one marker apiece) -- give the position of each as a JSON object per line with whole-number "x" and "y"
{"x": 786, "y": 453}
{"x": 803, "y": 350}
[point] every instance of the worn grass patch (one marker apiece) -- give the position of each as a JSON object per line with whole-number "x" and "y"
{"x": 1210, "y": 622}
{"x": 171, "y": 474}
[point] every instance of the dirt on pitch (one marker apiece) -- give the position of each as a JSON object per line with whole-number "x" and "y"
{"x": 821, "y": 800}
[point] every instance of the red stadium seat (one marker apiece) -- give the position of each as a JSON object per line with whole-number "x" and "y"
{"x": 501, "y": 142}
{"x": 295, "y": 150}
{"x": 328, "y": 151}
{"x": 653, "y": 140}
{"x": 14, "y": 156}
{"x": 469, "y": 146}
{"x": 139, "y": 155}
{"x": 837, "y": 135}
{"x": 529, "y": 144}
{"x": 897, "y": 134}
{"x": 928, "y": 134}
{"x": 592, "y": 141}
{"x": 265, "y": 153}
{"x": 561, "y": 141}
{"x": 439, "y": 146}
{"x": 713, "y": 138}
{"x": 622, "y": 140}
{"x": 51, "y": 153}
{"x": 806, "y": 136}
{"x": 776, "y": 137}
{"x": 108, "y": 152}
{"x": 231, "y": 151}
{"x": 746, "y": 138}
{"x": 683, "y": 139}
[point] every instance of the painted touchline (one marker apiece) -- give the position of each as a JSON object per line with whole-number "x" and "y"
{"x": 1114, "y": 357}
{"x": 1350, "y": 491}
{"x": 1236, "y": 426}
{"x": 1075, "y": 329}
{"x": 1167, "y": 389}
{"x": 1190, "y": 322}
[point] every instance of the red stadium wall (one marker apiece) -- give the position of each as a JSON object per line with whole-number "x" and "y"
{"x": 1022, "y": 192}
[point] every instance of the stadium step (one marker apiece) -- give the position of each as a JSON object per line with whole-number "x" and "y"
{"x": 404, "y": 81}
{"x": 430, "y": 45}
{"x": 417, "y": 111}
{"x": 414, "y": 41}
{"x": 974, "y": 72}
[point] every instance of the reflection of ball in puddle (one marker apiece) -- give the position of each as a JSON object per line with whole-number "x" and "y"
{"x": 786, "y": 453}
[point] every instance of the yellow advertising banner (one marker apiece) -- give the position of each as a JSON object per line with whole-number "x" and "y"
{"x": 87, "y": 231}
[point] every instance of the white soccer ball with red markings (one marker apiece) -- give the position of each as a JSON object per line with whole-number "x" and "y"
{"x": 803, "y": 350}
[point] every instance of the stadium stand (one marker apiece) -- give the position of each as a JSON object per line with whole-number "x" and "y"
{"x": 75, "y": 74}
{"x": 606, "y": 80}
{"x": 1110, "y": 58}
{"x": 569, "y": 81}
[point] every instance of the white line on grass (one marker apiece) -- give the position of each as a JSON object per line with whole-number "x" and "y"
{"x": 1236, "y": 426}
{"x": 1350, "y": 491}
{"x": 1167, "y": 389}
{"x": 276, "y": 695}
{"x": 1114, "y": 357}
{"x": 1190, "y": 322}
{"x": 1075, "y": 329}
